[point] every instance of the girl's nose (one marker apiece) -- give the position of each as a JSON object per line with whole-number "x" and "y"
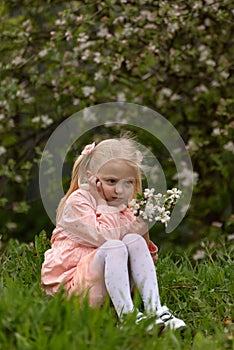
{"x": 119, "y": 187}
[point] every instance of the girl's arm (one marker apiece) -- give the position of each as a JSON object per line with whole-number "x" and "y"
{"x": 146, "y": 237}
{"x": 86, "y": 223}
{"x": 152, "y": 247}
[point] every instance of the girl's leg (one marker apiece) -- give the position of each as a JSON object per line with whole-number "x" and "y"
{"x": 143, "y": 272}
{"x": 111, "y": 260}
{"x": 144, "y": 275}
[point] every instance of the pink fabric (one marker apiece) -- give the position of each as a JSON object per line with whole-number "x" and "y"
{"x": 81, "y": 229}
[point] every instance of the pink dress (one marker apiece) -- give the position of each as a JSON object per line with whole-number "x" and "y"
{"x": 80, "y": 230}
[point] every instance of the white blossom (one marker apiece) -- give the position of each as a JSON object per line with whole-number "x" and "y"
{"x": 155, "y": 207}
{"x": 211, "y": 63}
{"x": 224, "y": 75}
{"x": 121, "y": 97}
{"x": 217, "y": 131}
{"x": 18, "y": 178}
{"x": 68, "y": 35}
{"x": 97, "y": 57}
{"x": 76, "y": 101}
{"x": 166, "y": 92}
{"x": 2, "y": 150}
{"x": 103, "y": 32}
{"x": 98, "y": 75}
{"x": 18, "y": 60}
{"x": 43, "y": 119}
{"x": 11, "y": 225}
{"x": 148, "y": 192}
{"x": 230, "y": 237}
{"x": 43, "y": 53}
{"x": 88, "y": 90}
{"x": 89, "y": 116}
{"x": 200, "y": 254}
{"x": 187, "y": 176}
{"x": 201, "y": 88}
{"x": 82, "y": 38}
{"x": 60, "y": 22}
{"x": 229, "y": 146}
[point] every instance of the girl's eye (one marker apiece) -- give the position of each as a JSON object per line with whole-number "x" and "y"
{"x": 128, "y": 183}
{"x": 111, "y": 181}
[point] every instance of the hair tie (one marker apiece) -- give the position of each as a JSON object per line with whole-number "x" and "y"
{"x": 88, "y": 148}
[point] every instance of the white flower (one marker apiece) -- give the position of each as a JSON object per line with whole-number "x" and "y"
{"x": 166, "y": 92}
{"x": 89, "y": 116}
{"x": 36, "y": 120}
{"x": 43, "y": 53}
{"x": 229, "y": 146}
{"x": 216, "y": 131}
{"x": 201, "y": 88}
{"x": 155, "y": 207}
{"x": 68, "y": 35}
{"x": 211, "y": 63}
{"x": 148, "y": 192}
{"x": 103, "y": 32}
{"x": 43, "y": 119}
{"x": 187, "y": 176}
{"x": 121, "y": 97}
{"x": 88, "y": 90}
{"x": 2, "y": 150}
{"x": 60, "y": 22}
{"x": 76, "y": 101}
{"x": 11, "y": 225}
{"x": 82, "y": 38}
{"x": 132, "y": 203}
{"x": 224, "y": 75}
{"x": 18, "y": 60}
{"x": 18, "y": 178}
{"x": 97, "y": 57}
{"x": 200, "y": 254}
{"x": 98, "y": 76}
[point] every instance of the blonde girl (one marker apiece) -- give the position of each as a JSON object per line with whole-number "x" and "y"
{"x": 99, "y": 247}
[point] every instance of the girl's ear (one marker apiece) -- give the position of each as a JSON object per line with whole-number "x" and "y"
{"x": 88, "y": 174}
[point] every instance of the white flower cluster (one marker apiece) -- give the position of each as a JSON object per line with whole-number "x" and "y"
{"x": 155, "y": 207}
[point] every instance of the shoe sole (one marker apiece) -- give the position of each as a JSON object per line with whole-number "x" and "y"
{"x": 180, "y": 329}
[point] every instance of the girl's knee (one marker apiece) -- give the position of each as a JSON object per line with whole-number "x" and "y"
{"x": 112, "y": 250}
{"x": 131, "y": 238}
{"x": 113, "y": 243}
{"x": 115, "y": 248}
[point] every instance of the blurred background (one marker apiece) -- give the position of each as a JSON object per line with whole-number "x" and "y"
{"x": 175, "y": 57}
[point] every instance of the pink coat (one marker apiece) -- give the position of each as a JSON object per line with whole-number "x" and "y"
{"x": 80, "y": 230}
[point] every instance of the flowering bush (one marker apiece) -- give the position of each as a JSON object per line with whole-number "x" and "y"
{"x": 155, "y": 207}
{"x": 169, "y": 55}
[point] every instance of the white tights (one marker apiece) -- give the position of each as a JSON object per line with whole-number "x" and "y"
{"x": 121, "y": 261}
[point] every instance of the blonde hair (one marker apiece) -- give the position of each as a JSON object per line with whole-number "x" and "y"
{"x": 122, "y": 148}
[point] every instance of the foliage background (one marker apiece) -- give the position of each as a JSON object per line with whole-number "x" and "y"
{"x": 172, "y": 56}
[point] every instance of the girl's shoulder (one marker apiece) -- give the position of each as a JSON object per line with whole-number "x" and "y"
{"x": 82, "y": 196}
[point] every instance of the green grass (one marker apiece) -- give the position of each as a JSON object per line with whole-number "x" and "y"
{"x": 200, "y": 293}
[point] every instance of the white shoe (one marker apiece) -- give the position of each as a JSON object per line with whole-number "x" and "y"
{"x": 150, "y": 321}
{"x": 169, "y": 320}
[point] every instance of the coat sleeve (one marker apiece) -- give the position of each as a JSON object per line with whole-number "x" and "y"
{"x": 87, "y": 224}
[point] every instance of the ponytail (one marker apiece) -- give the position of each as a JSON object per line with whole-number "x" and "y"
{"x": 73, "y": 185}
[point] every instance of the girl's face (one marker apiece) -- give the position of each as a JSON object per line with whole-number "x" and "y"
{"x": 118, "y": 179}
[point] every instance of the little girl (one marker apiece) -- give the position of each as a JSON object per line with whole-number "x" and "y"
{"x": 98, "y": 246}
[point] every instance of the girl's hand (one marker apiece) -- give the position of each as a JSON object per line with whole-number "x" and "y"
{"x": 153, "y": 251}
{"x": 139, "y": 226}
{"x": 95, "y": 188}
